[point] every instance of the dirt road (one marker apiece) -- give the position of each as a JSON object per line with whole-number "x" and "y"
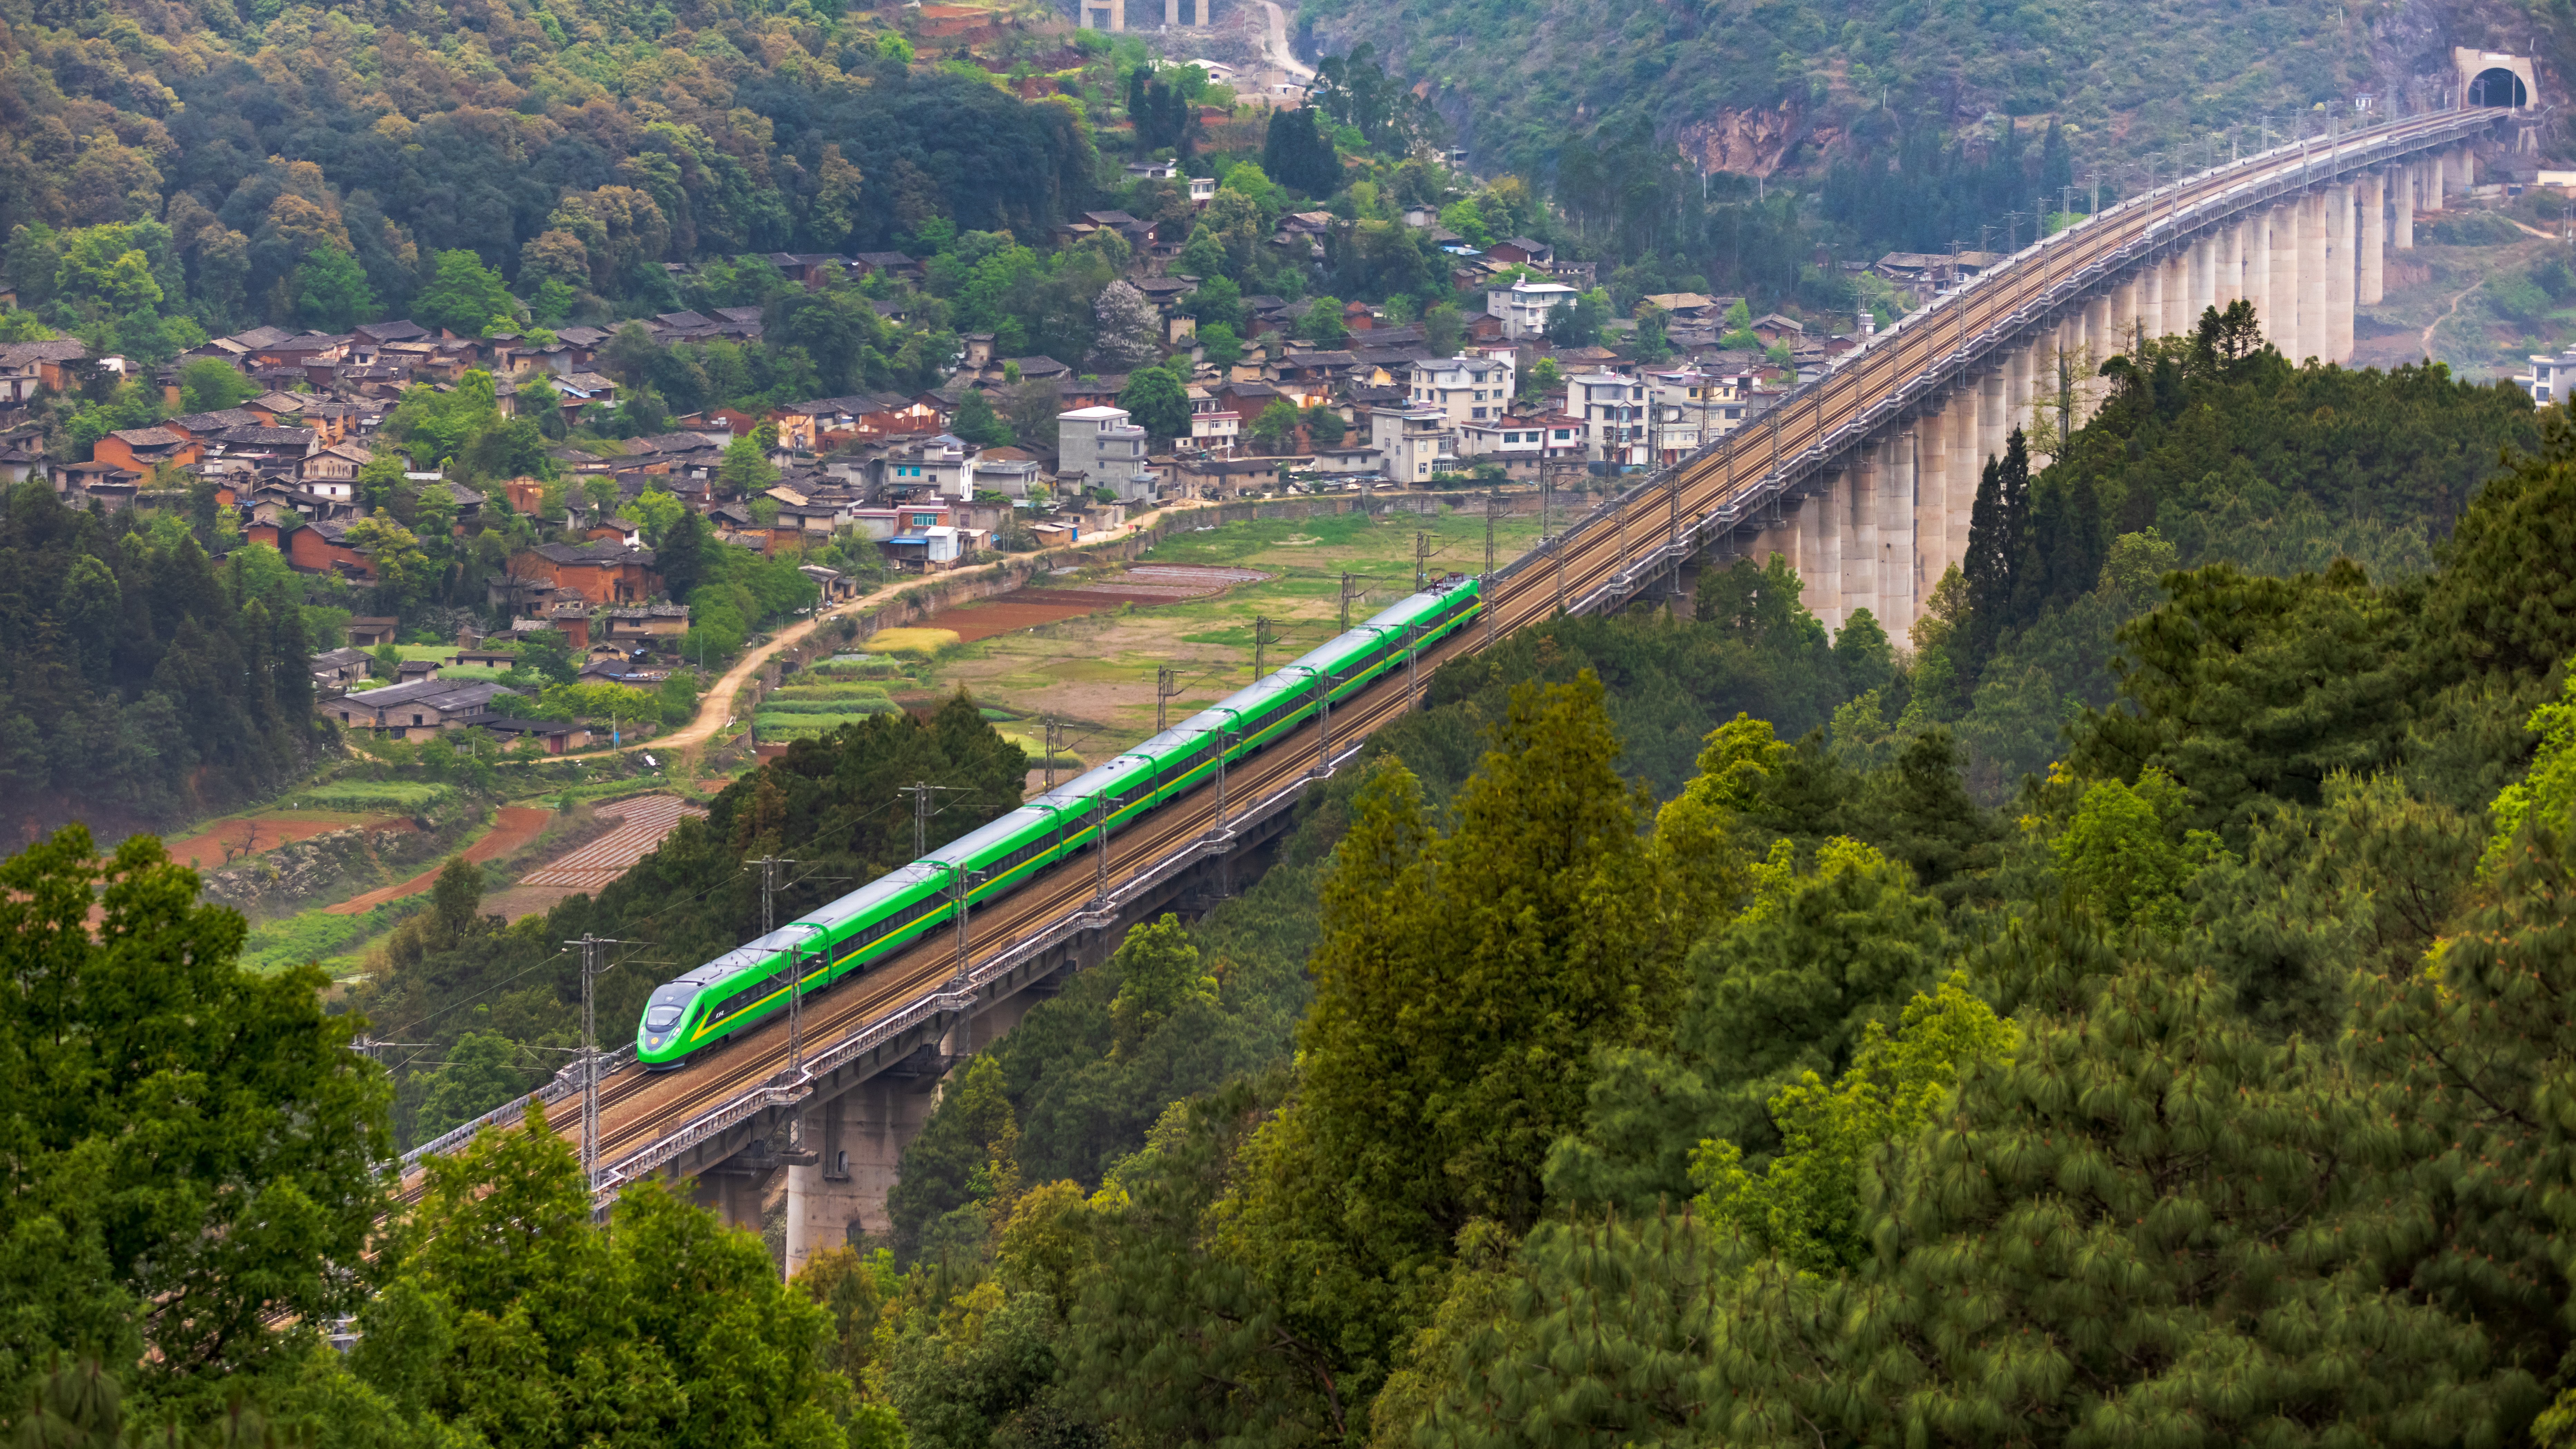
{"x": 1280, "y": 55}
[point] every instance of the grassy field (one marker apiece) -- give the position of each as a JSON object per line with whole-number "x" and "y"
{"x": 2464, "y": 281}
{"x": 1097, "y": 673}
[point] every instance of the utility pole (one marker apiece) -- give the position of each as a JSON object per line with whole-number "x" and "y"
{"x": 921, "y": 791}
{"x": 1167, "y": 683}
{"x": 590, "y": 969}
{"x": 796, "y": 1002}
{"x": 1224, "y": 740}
{"x": 769, "y": 865}
{"x": 1261, "y": 640}
{"x": 1346, "y": 601}
{"x": 962, "y": 883}
{"x": 1100, "y": 851}
{"x": 1323, "y": 721}
{"x": 1493, "y": 503}
{"x": 1054, "y": 737}
{"x": 1421, "y": 560}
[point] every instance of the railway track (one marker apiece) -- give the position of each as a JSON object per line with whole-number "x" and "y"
{"x": 1597, "y": 563}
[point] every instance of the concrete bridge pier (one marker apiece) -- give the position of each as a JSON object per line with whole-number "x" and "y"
{"x": 2258, "y": 270}
{"x": 1858, "y": 515}
{"x": 2314, "y": 325}
{"x": 2230, "y": 288}
{"x": 2404, "y": 206}
{"x": 2374, "y": 241}
{"x": 2430, "y": 186}
{"x": 733, "y": 1192}
{"x": 2343, "y": 270}
{"x": 1899, "y": 515}
{"x": 858, "y": 1140}
{"x": 1933, "y": 432}
{"x": 2282, "y": 326}
{"x": 1820, "y": 549}
{"x": 2099, "y": 344}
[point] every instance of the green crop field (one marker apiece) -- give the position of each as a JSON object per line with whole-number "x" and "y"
{"x": 1098, "y": 672}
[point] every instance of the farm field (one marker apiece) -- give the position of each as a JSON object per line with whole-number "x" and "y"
{"x": 1094, "y": 665}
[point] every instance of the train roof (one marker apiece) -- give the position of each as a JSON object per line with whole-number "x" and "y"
{"x": 1076, "y": 793}
{"x": 747, "y": 955}
{"x": 1333, "y": 652}
{"x": 984, "y": 837}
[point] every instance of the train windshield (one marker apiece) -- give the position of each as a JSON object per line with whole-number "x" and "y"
{"x": 662, "y": 1016}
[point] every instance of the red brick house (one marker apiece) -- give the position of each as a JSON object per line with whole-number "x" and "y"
{"x": 143, "y": 449}
{"x": 604, "y": 572}
{"x": 313, "y": 548}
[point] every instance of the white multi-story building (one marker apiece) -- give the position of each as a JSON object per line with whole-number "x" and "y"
{"x": 1690, "y": 407}
{"x": 2550, "y": 377}
{"x": 1614, "y": 413}
{"x": 1526, "y": 306}
{"x": 1414, "y": 442}
{"x": 1523, "y": 443}
{"x": 944, "y": 465}
{"x": 1468, "y": 389}
{"x": 1107, "y": 451}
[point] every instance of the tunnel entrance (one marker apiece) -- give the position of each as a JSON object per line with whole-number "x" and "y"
{"x": 2499, "y": 87}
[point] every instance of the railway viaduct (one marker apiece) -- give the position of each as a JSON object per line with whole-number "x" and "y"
{"x": 1863, "y": 478}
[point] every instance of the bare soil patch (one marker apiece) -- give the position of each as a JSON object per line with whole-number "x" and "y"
{"x": 233, "y": 839}
{"x": 1011, "y": 613}
{"x": 517, "y": 825}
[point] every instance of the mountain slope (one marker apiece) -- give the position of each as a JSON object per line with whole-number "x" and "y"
{"x": 1755, "y": 87}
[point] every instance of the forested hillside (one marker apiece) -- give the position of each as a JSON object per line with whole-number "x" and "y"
{"x": 254, "y": 150}
{"x": 1759, "y": 89}
{"x": 141, "y": 678}
{"x": 1641, "y": 1055}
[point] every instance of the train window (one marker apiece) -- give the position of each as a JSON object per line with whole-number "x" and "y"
{"x": 662, "y": 1017}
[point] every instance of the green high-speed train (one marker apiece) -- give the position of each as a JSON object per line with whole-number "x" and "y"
{"x": 748, "y": 985}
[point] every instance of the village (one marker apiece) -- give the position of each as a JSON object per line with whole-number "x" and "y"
{"x": 1493, "y": 390}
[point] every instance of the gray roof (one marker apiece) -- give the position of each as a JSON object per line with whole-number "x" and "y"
{"x": 438, "y": 693}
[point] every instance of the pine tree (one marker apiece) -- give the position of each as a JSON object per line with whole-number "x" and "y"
{"x": 1994, "y": 547}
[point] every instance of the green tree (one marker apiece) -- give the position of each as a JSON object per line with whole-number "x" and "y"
{"x": 210, "y": 385}
{"x": 1324, "y": 427}
{"x": 331, "y": 291}
{"x": 183, "y": 1133}
{"x": 1442, "y": 329}
{"x": 462, "y": 296}
{"x": 1276, "y": 428}
{"x": 1790, "y": 986}
{"x": 1322, "y": 323}
{"x": 1219, "y": 345}
{"x": 977, "y": 423}
{"x": 1158, "y": 975}
{"x": 1157, "y": 402}
{"x": 1439, "y": 951}
{"x": 513, "y": 1312}
{"x": 2250, "y": 691}
{"x": 745, "y": 468}
{"x": 1805, "y": 1205}
{"x": 658, "y": 512}
{"x": 966, "y": 1154}
{"x": 481, "y": 1072}
{"x": 404, "y": 572}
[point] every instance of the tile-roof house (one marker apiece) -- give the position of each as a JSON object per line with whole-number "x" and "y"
{"x": 142, "y": 449}
{"x": 424, "y": 705}
{"x": 28, "y": 366}
{"x": 605, "y": 571}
